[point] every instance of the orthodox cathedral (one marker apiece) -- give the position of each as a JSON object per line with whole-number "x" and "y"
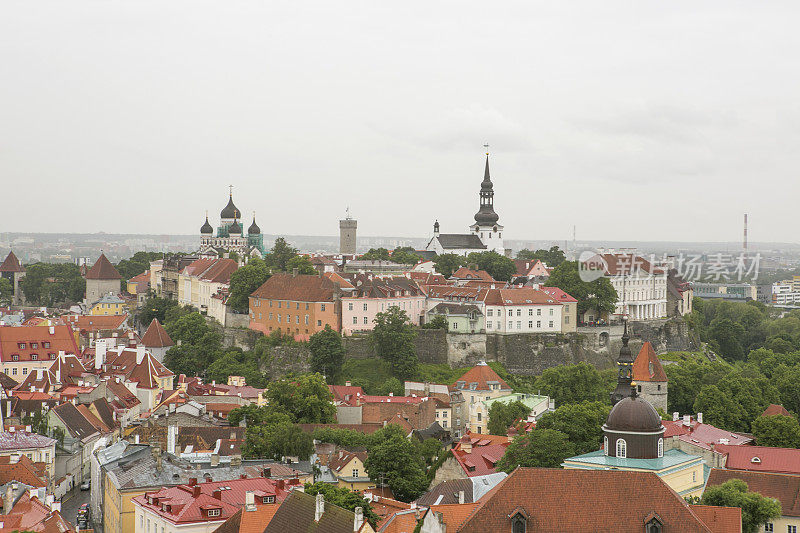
{"x": 485, "y": 235}
{"x": 230, "y": 235}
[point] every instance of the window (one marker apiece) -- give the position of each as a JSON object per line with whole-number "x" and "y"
{"x": 279, "y": 318}
{"x": 365, "y": 307}
{"x": 530, "y": 324}
{"x": 694, "y": 476}
{"x": 661, "y": 447}
{"x": 24, "y": 371}
{"x": 350, "y": 306}
{"x": 605, "y": 445}
{"x": 13, "y": 371}
{"x": 280, "y": 304}
{"x": 622, "y": 448}
{"x": 510, "y": 325}
{"x": 519, "y": 523}
{"x": 306, "y": 320}
{"x": 355, "y": 320}
{"x": 366, "y": 321}
{"x": 34, "y": 357}
{"x": 566, "y": 320}
{"x": 455, "y": 325}
{"x": 355, "y": 472}
{"x": 34, "y": 345}
{"x": 213, "y": 512}
{"x": 15, "y": 357}
{"x": 306, "y": 310}
{"x": 538, "y": 323}
{"x": 479, "y": 417}
{"x": 530, "y": 312}
{"x": 551, "y": 324}
{"x": 268, "y": 499}
{"x": 322, "y": 307}
{"x": 490, "y": 312}
{"x": 319, "y": 323}
{"x": 21, "y": 345}
{"x": 566, "y": 308}
{"x": 297, "y": 305}
{"x": 519, "y": 324}
{"x": 519, "y": 312}
{"x": 791, "y": 529}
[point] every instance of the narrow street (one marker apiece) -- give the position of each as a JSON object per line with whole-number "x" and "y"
{"x": 72, "y": 501}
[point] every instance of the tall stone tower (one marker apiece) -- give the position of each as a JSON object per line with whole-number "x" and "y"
{"x": 347, "y": 235}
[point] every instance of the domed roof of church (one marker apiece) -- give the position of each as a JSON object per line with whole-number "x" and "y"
{"x": 633, "y": 414}
{"x": 206, "y": 228}
{"x": 253, "y": 229}
{"x": 230, "y": 211}
{"x": 235, "y": 228}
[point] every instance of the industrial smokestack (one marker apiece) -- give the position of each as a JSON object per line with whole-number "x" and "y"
{"x": 744, "y": 242}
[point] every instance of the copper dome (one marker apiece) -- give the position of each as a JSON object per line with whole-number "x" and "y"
{"x": 634, "y": 414}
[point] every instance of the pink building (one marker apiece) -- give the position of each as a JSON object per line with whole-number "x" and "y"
{"x": 371, "y": 295}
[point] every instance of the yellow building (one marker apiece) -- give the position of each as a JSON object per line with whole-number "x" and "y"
{"x": 479, "y": 383}
{"x": 108, "y": 304}
{"x": 348, "y": 468}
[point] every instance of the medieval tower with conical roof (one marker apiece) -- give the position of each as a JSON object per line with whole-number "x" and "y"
{"x": 230, "y": 235}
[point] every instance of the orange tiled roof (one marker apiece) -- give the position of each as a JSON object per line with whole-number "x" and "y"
{"x": 774, "y": 409}
{"x": 301, "y": 288}
{"x": 647, "y": 366}
{"x": 11, "y": 264}
{"x": 103, "y": 269}
{"x": 481, "y": 374}
{"x": 156, "y": 336}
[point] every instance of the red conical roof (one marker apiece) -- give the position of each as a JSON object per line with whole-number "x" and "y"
{"x": 156, "y": 336}
{"x": 11, "y": 264}
{"x": 103, "y": 269}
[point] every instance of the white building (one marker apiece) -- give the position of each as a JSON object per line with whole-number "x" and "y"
{"x": 521, "y": 310}
{"x": 641, "y": 286}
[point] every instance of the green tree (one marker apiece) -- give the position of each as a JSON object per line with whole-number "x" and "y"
{"x": 244, "y": 282}
{"x": 727, "y": 337}
{"x": 200, "y": 345}
{"x": 405, "y": 255}
{"x": 446, "y": 264}
{"x": 545, "y": 448}
{"x": 552, "y": 257}
{"x": 53, "y": 283}
{"x": 327, "y": 352}
{"x": 255, "y": 415}
{"x": 280, "y": 255}
{"x": 598, "y": 294}
{"x": 302, "y": 264}
{"x": 394, "y": 460}
{"x": 236, "y": 362}
{"x": 137, "y": 264}
{"x": 191, "y": 328}
{"x": 393, "y": 338}
{"x": 344, "y": 498}
{"x": 498, "y": 266}
{"x": 157, "y": 308}
{"x": 574, "y": 384}
{"x": 305, "y": 398}
{"x": 6, "y": 290}
{"x": 502, "y": 415}
{"x": 276, "y": 441}
{"x": 756, "y": 509}
{"x": 580, "y": 422}
{"x": 377, "y": 254}
{"x": 777, "y": 430}
{"x": 437, "y": 322}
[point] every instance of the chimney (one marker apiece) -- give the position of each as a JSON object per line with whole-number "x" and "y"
{"x": 136, "y": 439}
{"x": 139, "y": 354}
{"x": 699, "y": 418}
{"x": 52, "y": 330}
{"x": 249, "y": 501}
{"x": 172, "y": 438}
{"x": 236, "y": 460}
{"x": 100, "y": 353}
{"x": 279, "y": 484}
{"x": 192, "y": 481}
{"x": 155, "y": 452}
{"x": 319, "y": 509}
{"x": 196, "y": 490}
{"x": 466, "y": 446}
{"x": 676, "y": 416}
{"x": 217, "y": 494}
{"x": 214, "y": 459}
{"x": 687, "y": 420}
{"x": 358, "y": 520}
{"x": 27, "y": 429}
{"x": 347, "y": 384}
{"x": 8, "y": 408}
{"x": 267, "y": 472}
{"x": 8, "y": 501}
{"x": 14, "y": 458}
{"x": 461, "y": 496}
{"x": 39, "y": 374}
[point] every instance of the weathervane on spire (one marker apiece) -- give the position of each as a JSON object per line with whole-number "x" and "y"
{"x": 486, "y": 146}
{"x": 231, "y": 190}
{"x": 348, "y": 213}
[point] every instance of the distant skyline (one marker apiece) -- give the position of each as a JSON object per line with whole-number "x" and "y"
{"x": 643, "y": 121}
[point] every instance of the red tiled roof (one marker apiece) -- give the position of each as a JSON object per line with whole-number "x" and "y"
{"x": 156, "y": 336}
{"x": 618, "y": 264}
{"x": 719, "y": 519}
{"x": 783, "y": 487}
{"x": 62, "y": 339}
{"x": 481, "y": 374}
{"x": 220, "y": 271}
{"x": 249, "y": 521}
{"x": 517, "y": 296}
{"x": 336, "y": 278}
{"x": 30, "y": 514}
{"x": 481, "y": 460}
{"x": 468, "y": 273}
{"x": 647, "y": 366}
{"x": 454, "y": 514}
{"x": 103, "y": 269}
{"x": 23, "y": 471}
{"x": 614, "y": 500}
{"x": 558, "y": 294}
{"x": 761, "y": 458}
{"x": 704, "y": 436}
{"x": 94, "y": 322}
{"x": 344, "y": 457}
{"x": 301, "y": 288}
{"x": 345, "y": 394}
{"x": 11, "y": 264}
{"x": 775, "y": 410}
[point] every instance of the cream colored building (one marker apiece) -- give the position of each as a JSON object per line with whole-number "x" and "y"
{"x": 202, "y": 284}
{"x": 478, "y": 384}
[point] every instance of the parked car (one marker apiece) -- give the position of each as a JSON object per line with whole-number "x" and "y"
{"x": 86, "y": 485}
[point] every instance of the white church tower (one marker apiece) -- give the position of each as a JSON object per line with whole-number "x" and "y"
{"x": 486, "y": 227}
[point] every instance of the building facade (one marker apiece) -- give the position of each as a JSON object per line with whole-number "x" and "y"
{"x": 230, "y": 235}
{"x": 101, "y": 279}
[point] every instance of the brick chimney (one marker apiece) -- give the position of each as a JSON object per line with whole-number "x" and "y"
{"x": 358, "y": 519}
{"x": 319, "y": 508}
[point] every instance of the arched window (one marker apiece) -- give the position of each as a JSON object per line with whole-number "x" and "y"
{"x": 518, "y": 523}
{"x": 605, "y": 445}
{"x": 661, "y": 447}
{"x": 622, "y": 448}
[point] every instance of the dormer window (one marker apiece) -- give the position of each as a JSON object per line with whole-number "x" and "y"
{"x": 519, "y": 523}
{"x": 214, "y": 512}
{"x": 755, "y": 460}
{"x": 15, "y": 357}
{"x": 21, "y": 345}
{"x": 34, "y": 345}
{"x": 653, "y": 525}
{"x": 46, "y": 344}
{"x": 268, "y": 499}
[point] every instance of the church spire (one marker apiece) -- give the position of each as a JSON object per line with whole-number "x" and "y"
{"x": 486, "y": 215}
{"x": 625, "y": 369}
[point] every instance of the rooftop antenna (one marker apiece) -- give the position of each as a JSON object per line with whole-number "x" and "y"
{"x": 348, "y": 217}
{"x": 744, "y": 242}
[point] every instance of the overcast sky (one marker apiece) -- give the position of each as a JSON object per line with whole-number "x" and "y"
{"x": 639, "y": 120}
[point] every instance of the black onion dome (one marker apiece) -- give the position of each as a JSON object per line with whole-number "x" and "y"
{"x": 235, "y": 228}
{"x": 486, "y": 215}
{"x": 230, "y": 211}
{"x": 633, "y": 414}
{"x": 206, "y": 229}
{"x": 253, "y": 229}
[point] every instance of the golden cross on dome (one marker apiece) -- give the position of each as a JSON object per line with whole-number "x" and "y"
{"x": 231, "y": 189}
{"x": 486, "y": 146}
